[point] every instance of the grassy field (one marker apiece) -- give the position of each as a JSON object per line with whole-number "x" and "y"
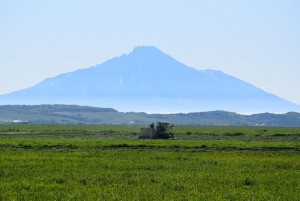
{"x": 87, "y": 162}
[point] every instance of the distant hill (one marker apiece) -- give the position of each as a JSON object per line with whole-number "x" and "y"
{"x": 72, "y": 114}
{"x": 151, "y": 81}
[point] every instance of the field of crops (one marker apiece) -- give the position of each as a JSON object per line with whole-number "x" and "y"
{"x": 89, "y": 162}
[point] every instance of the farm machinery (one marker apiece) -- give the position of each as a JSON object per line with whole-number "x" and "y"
{"x": 162, "y": 130}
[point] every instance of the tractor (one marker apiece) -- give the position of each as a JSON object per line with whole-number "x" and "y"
{"x": 162, "y": 130}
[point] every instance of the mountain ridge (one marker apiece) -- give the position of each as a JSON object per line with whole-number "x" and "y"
{"x": 149, "y": 80}
{"x": 74, "y": 114}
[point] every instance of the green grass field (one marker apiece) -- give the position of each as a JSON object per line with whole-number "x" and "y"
{"x": 87, "y": 162}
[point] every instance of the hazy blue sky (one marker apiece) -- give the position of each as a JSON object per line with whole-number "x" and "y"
{"x": 255, "y": 40}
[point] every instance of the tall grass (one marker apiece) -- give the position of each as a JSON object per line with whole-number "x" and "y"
{"x": 148, "y": 174}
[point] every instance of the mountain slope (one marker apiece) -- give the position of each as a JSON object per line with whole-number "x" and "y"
{"x": 151, "y": 81}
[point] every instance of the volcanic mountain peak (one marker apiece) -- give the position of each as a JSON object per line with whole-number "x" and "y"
{"x": 149, "y": 80}
{"x": 149, "y": 51}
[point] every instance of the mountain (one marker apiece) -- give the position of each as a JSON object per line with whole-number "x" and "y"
{"x": 151, "y": 81}
{"x": 73, "y": 114}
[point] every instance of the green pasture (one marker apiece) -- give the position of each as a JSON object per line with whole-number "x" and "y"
{"x": 132, "y": 131}
{"x": 88, "y": 162}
